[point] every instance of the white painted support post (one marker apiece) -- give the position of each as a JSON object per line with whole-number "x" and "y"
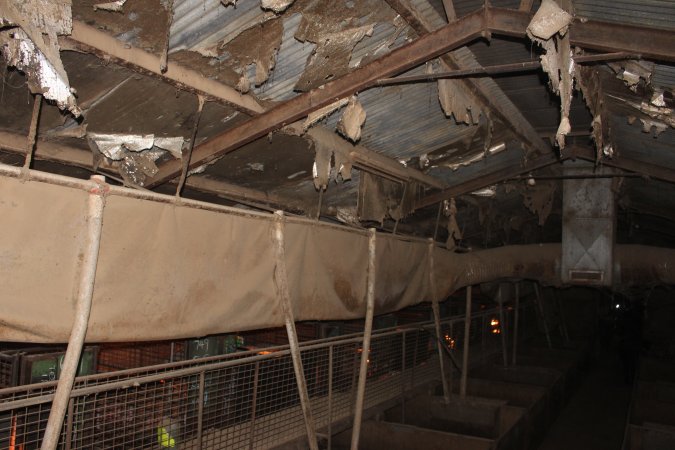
{"x": 281, "y": 283}
{"x": 465, "y": 354}
{"x": 365, "y": 349}
{"x": 85, "y": 293}
{"x": 447, "y": 392}
{"x": 515, "y": 324}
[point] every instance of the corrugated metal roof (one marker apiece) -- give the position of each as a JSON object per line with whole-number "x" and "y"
{"x": 651, "y": 13}
{"x": 405, "y": 121}
{"x": 203, "y": 23}
{"x": 664, "y": 77}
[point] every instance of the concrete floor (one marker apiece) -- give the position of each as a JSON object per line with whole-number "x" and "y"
{"x": 595, "y": 417}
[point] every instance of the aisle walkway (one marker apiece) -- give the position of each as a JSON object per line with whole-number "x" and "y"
{"x": 595, "y": 417}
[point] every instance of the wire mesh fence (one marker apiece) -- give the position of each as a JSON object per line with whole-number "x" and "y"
{"x": 247, "y": 399}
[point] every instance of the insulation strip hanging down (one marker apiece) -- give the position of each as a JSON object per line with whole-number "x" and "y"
{"x": 169, "y": 271}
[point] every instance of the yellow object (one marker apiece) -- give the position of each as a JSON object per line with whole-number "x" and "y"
{"x": 164, "y": 438}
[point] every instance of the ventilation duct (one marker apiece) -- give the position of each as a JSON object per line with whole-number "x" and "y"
{"x": 589, "y": 216}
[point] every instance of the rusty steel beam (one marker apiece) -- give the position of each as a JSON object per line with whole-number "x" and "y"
{"x": 628, "y": 164}
{"x": 526, "y": 5}
{"x": 399, "y": 60}
{"x": 592, "y": 34}
{"x": 518, "y": 124}
{"x": 491, "y": 178}
{"x": 71, "y": 156}
{"x": 91, "y": 40}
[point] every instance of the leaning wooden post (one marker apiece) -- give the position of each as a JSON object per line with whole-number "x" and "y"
{"x": 365, "y": 349}
{"x": 542, "y": 314}
{"x": 447, "y": 392}
{"x": 467, "y": 336}
{"x": 281, "y": 283}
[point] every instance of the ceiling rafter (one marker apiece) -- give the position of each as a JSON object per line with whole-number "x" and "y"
{"x": 399, "y": 60}
{"x": 90, "y": 40}
{"x": 520, "y": 126}
{"x": 72, "y": 156}
{"x": 647, "y": 42}
{"x": 491, "y": 178}
{"x": 96, "y": 42}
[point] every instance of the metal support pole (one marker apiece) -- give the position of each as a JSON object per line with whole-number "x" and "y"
{"x": 465, "y": 354}
{"x": 281, "y": 282}
{"x": 254, "y": 404}
{"x": 200, "y": 410}
{"x": 563, "y": 323}
{"x": 365, "y": 350}
{"x": 85, "y": 293}
{"x": 403, "y": 377}
{"x": 540, "y": 308}
{"x": 447, "y": 392}
{"x": 330, "y": 397}
{"x": 515, "y": 324}
{"x": 69, "y": 425}
{"x": 502, "y": 327}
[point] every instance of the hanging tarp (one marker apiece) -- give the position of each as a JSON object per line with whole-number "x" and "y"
{"x": 170, "y": 270}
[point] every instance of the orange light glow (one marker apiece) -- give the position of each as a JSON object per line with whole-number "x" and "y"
{"x": 496, "y": 331}
{"x": 264, "y": 352}
{"x": 494, "y": 322}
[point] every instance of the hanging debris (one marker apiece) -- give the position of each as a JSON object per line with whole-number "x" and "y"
{"x": 332, "y": 158}
{"x": 456, "y": 103}
{"x": 588, "y": 81}
{"x": 454, "y": 233}
{"x": 538, "y": 198}
{"x": 548, "y": 28}
{"x": 278, "y": 6}
{"x": 380, "y": 198}
{"x": 320, "y": 113}
{"x": 659, "y": 118}
{"x": 335, "y": 27}
{"x": 255, "y": 48}
{"x": 633, "y": 72}
{"x": 110, "y": 6}
{"x": 135, "y": 154}
{"x": 31, "y": 45}
{"x": 352, "y": 120}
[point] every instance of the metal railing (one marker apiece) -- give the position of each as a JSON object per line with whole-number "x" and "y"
{"x": 244, "y": 400}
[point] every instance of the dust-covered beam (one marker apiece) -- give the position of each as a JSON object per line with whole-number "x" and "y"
{"x": 90, "y": 40}
{"x": 629, "y": 164}
{"x": 489, "y": 179}
{"x": 507, "y": 114}
{"x": 399, "y": 60}
{"x": 71, "y": 156}
{"x": 592, "y": 34}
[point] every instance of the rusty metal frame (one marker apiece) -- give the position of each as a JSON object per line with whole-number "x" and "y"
{"x": 518, "y": 124}
{"x": 399, "y": 60}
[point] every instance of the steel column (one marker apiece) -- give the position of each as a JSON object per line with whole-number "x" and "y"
{"x": 540, "y": 309}
{"x": 200, "y": 410}
{"x": 85, "y": 292}
{"x": 365, "y": 349}
{"x": 447, "y": 392}
{"x": 467, "y": 336}
{"x": 330, "y": 397}
{"x": 502, "y": 325}
{"x": 281, "y": 283}
{"x": 515, "y": 324}
{"x": 254, "y": 404}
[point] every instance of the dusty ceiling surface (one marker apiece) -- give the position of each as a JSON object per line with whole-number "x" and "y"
{"x": 423, "y": 117}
